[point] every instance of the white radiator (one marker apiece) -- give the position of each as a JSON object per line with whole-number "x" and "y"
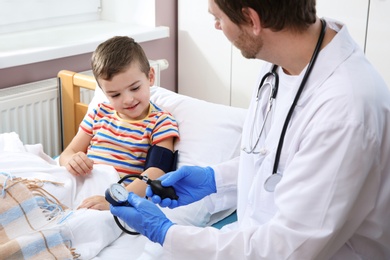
{"x": 32, "y": 110}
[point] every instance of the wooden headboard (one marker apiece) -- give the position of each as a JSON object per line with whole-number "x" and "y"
{"x": 72, "y": 109}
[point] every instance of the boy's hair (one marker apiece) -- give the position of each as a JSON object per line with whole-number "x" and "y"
{"x": 115, "y": 55}
{"x": 274, "y": 14}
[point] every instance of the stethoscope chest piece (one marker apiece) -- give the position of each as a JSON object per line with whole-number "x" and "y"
{"x": 271, "y": 182}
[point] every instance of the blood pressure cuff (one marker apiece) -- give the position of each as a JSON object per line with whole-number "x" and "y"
{"x": 162, "y": 158}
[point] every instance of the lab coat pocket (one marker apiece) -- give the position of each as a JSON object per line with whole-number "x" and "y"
{"x": 260, "y": 200}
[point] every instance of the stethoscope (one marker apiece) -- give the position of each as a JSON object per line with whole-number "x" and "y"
{"x": 275, "y": 177}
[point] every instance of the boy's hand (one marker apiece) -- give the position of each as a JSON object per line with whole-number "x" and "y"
{"x": 95, "y": 202}
{"x": 79, "y": 164}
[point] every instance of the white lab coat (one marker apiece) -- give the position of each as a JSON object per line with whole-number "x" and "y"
{"x": 333, "y": 201}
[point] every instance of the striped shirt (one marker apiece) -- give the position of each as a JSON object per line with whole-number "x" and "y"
{"x": 124, "y": 143}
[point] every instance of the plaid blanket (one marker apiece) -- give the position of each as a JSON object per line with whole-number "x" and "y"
{"x": 30, "y": 225}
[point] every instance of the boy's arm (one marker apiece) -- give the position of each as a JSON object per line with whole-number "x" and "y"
{"x": 139, "y": 186}
{"x": 74, "y": 156}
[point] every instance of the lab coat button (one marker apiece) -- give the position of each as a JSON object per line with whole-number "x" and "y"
{"x": 263, "y": 151}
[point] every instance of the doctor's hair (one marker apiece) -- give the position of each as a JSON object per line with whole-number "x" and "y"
{"x": 274, "y": 14}
{"x": 115, "y": 55}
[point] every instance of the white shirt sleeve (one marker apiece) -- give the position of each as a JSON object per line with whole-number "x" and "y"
{"x": 226, "y": 183}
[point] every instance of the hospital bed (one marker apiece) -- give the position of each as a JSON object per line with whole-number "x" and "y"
{"x": 209, "y": 134}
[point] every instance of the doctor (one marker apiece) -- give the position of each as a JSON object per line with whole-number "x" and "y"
{"x": 313, "y": 177}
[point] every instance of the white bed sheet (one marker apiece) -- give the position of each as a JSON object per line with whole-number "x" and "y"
{"x": 88, "y": 230}
{"x": 92, "y": 233}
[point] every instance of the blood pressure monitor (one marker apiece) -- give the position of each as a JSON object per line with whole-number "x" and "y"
{"x": 117, "y": 195}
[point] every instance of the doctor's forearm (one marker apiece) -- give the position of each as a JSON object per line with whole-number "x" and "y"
{"x": 226, "y": 183}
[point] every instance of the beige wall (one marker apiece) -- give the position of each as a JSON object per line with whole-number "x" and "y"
{"x": 166, "y": 15}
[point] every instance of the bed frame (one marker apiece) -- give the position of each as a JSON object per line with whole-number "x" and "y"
{"x": 72, "y": 109}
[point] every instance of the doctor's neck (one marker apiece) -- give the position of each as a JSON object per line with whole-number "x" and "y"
{"x": 293, "y": 50}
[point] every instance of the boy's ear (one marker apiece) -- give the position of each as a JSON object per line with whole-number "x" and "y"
{"x": 152, "y": 76}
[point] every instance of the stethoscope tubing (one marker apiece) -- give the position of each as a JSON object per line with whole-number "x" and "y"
{"x": 272, "y": 97}
{"x": 299, "y": 92}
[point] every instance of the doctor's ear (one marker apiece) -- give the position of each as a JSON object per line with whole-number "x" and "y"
{"x": 252, "y": 19}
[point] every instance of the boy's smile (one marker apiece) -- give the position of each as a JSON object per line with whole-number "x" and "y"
{"x": 129, "y": 92}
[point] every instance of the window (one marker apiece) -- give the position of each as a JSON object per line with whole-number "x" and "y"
{"x": 21, "y": 15}
{"x": 40, "y": 30}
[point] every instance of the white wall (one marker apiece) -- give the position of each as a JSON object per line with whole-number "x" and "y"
{"x": 204, "y": 55}
{"x": 378, "y": 37}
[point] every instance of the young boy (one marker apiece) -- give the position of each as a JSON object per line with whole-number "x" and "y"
{"x": 122, "y": 132}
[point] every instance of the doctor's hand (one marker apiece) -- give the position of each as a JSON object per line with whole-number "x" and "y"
{"x": 191, "y": 183}
{"x": 144, "y": 217}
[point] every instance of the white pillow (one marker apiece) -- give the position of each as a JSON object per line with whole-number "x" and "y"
{"x": 209, "y": 133}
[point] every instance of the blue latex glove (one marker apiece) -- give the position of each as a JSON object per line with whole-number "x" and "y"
{"x": 191, "y": 184}
{"x": 144, "y": 217}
